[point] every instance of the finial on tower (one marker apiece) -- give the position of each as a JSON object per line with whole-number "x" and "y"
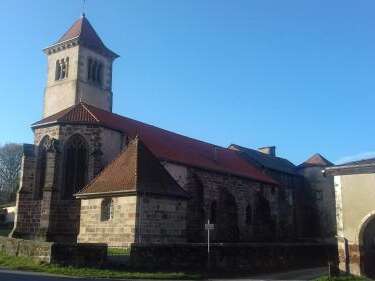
{"x": 83, "y": 8}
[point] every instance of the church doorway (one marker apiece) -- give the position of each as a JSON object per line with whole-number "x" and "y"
{"x": 368, "y": 248}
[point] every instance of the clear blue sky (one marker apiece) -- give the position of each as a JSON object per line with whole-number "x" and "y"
{"x": 295, "y": 74}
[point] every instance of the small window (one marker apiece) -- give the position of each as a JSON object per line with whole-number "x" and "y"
{"x": 249, "y": 215}
{"x": 107, "y": 209}
{"x": 62, "y": 69}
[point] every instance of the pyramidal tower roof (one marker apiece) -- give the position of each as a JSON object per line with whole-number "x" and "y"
{"x": 84, "y": 32}
{"x": 316, "y": 160}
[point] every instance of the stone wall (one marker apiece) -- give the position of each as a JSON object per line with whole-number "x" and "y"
{"x": 322, "y": 195}
{"x": 76, "y": 87}
{"x": 116, "y": 232}
{"x": 50, "y": 252}
{"x": 27, "y": 219}
{"x": 52, "y": 217}
{"x": 161, "y": 220}
{"x": 60, "y": 94}
{"x": 232, "y": 196}
{"x": 241, "y": 257}
{"x": 141, "y": 219}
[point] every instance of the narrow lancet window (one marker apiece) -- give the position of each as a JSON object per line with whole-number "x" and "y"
{"x": 75, "y": 165}
{"x": 106, "y": 209}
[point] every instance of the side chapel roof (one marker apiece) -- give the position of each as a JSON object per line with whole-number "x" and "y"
{"x": 136, "y": 169}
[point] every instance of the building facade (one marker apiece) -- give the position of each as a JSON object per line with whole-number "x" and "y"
{"x": 96, "y": 176}
{"x": 355, "y": 209}
{"x": 318, "y": 199}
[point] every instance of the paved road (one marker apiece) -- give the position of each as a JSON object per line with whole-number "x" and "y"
{"x": 305, "y": 274}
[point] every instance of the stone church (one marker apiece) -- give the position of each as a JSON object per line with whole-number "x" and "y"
{"x": 95, "y": 176}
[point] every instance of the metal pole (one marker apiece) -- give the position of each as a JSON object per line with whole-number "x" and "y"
{"x": 208, "y": 238}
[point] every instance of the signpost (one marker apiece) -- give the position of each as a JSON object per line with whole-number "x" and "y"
{"x": 208, "y": 226}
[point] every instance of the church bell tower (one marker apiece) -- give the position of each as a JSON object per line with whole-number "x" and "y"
{"x": 79, "y": 70}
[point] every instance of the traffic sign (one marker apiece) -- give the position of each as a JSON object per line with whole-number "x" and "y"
{"x": 209, "y": 226}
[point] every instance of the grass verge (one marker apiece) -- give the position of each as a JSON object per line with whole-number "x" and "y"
{"x": 119, "y": 251}
{"x": 28, "y": 264}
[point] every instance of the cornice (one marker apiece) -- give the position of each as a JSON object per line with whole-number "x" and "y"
{"x": 62, "y": 46}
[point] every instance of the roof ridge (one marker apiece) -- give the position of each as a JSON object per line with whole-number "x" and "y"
{"x": 261, "y": 153}
{"x": 165, "y": 130}
{"x": 95, "y": 178}
{"x": 189, "y": 151}
{"x": 148, "y": 150}
{"x": 89, "y": 111}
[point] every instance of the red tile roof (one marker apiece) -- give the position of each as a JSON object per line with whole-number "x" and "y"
{"x": 164, "y": 144}
{"x": 136, "y": 169}
{"x": 83, "y": 30}
{"x": 317, "y": 160}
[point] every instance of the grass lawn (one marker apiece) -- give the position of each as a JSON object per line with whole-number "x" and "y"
{"x": 5, "y": 229}
{"x": 119, "y": 251}
{"x": 343, "y": 278}
{"x": 28, "y": 264}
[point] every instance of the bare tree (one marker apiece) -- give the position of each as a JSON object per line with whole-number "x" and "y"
{"x": 10, "y": 166}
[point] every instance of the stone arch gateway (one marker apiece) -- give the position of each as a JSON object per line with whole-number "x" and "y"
{"x": 367, "y": 246}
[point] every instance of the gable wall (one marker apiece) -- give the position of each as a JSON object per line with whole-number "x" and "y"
{"x": 116, "y": 232}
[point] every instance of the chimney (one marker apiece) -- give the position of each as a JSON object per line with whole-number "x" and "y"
{"x": 270, "y": 150}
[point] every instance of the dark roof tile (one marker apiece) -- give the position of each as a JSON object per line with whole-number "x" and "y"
{"x": 317, "y": 160}
{"x": 87, "y": 36}
{"x": 268, "y": 161}
{"x": 164, "y": 144}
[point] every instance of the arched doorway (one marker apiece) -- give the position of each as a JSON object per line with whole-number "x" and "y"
{"x": 367, "y": 237}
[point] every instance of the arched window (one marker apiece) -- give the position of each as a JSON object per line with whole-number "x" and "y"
{"x": 62, "y": 69}
{"x": 75, "y": 165}
{"x": 99, "y": 73}
{"x": 66, "y": 68}
{"x": 58, "y": 70}
{"x": 41, "y": 168}
{"x": 263, "y": 210}
{"x": 89, "y": 69}
{"x": 93, "y": 71}
{"x": 106, "y": 212}
{"x": 213, "y": 212}
{"x": 249, "y": 215}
